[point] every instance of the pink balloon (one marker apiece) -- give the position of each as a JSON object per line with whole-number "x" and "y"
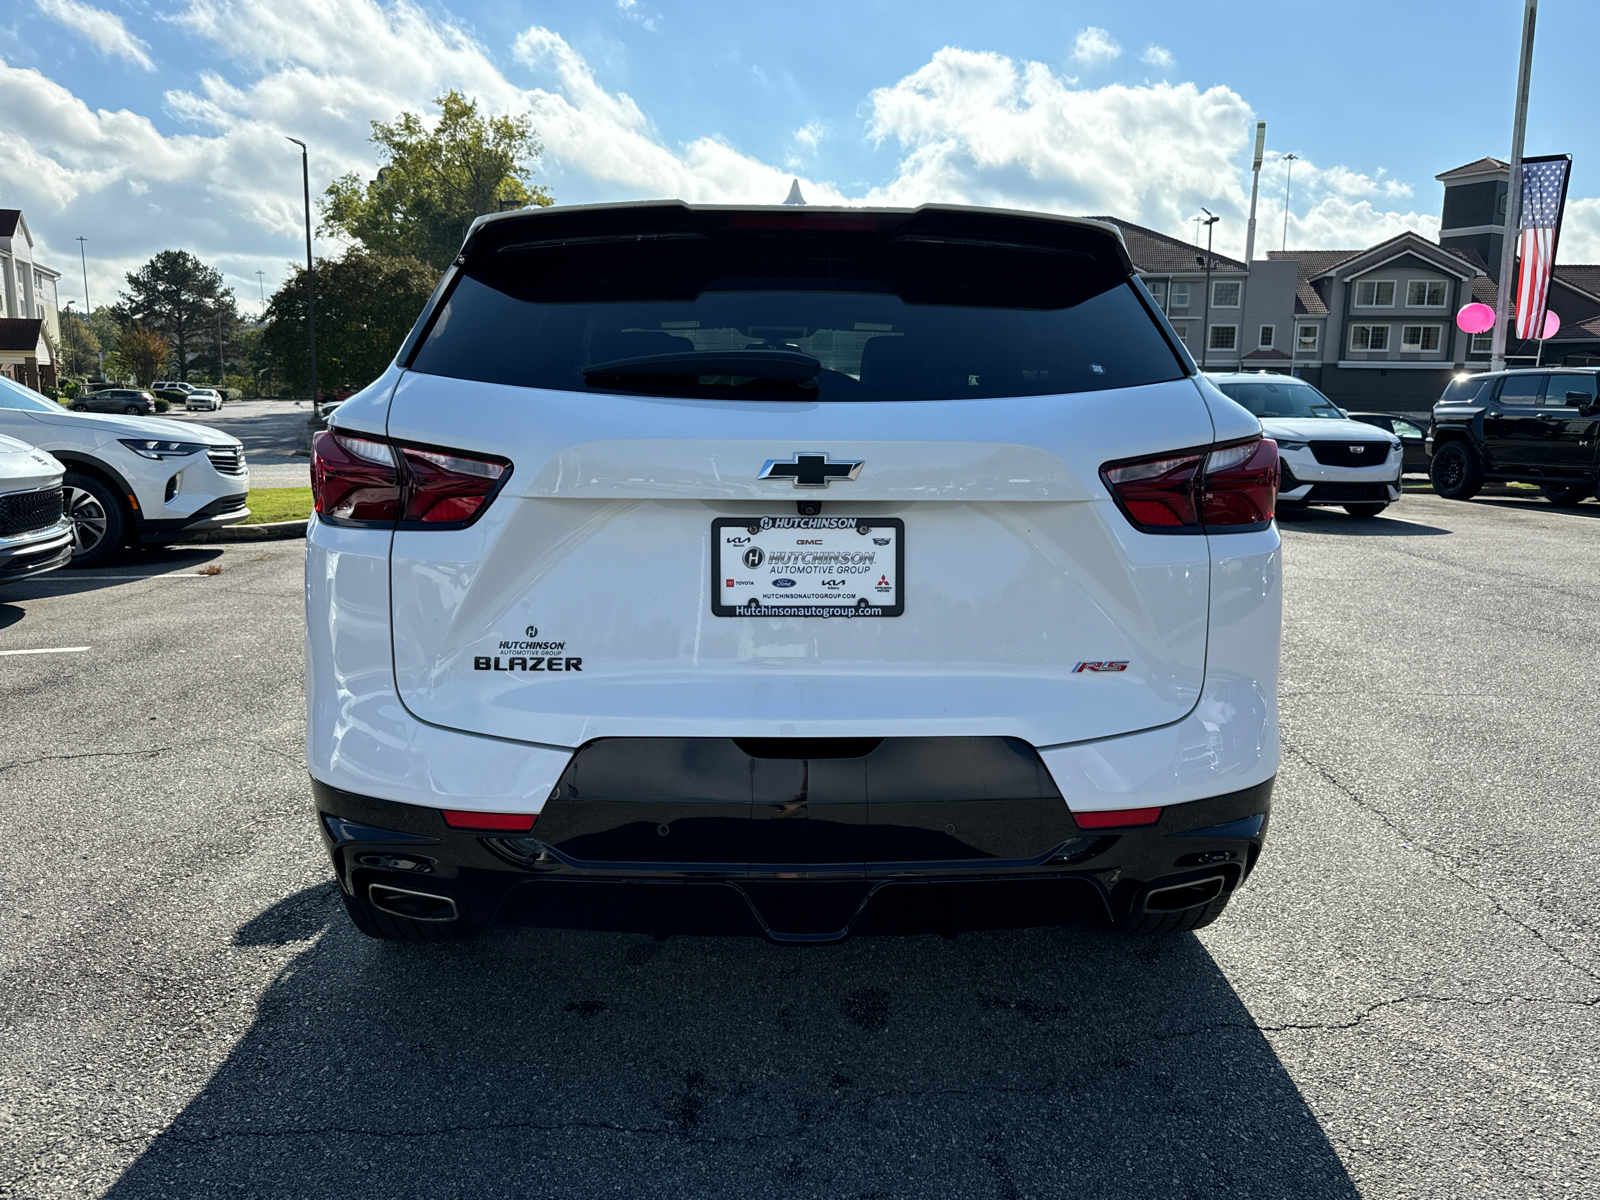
{"x": 1551, "y": 324}
{"x": 1475, "y": 318}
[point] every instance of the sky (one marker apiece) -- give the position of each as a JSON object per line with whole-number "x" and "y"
{"x": 144, "y": 125}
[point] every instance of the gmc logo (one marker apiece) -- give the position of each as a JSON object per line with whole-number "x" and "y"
{"x": 1099, "y": 666}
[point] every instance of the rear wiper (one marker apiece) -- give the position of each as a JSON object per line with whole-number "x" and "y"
{"x": 753, "y": 364}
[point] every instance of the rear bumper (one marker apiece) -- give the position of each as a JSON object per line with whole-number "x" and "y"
{"x": 546, "y": 878}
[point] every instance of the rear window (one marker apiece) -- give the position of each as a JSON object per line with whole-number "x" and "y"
{"x": 1281, "y": 398}
{"x": 1463, "y": 391}
{"x": 866, "y": 315}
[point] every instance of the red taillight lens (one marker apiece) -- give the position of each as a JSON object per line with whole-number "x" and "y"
{"x": 1121, "y": 818}
{"x": 442, "y": 487}
{"x": 499, "y": 822}
{"x": 373, "y": 481}
{"x": 354, "y": 478}
{"x": 1240, "y": 485}
{"x": 1224, "y": 490}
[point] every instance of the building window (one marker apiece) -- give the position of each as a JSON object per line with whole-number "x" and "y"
{"x": 1268, "y": 332}
{"x": 1307, "y": 339}
{"x": 1224, "y": 337}
{"x": 1369, "y": 337}
{"x": 1182, "y": 330}
{"x": 1180, "y": 295}
{"x": 1420, "y": 337}
{"x": 1225, "y": 293}
{"x": 1483, "y": 343}
{"x": 1425, "y": 293}
{"x": 1375, "y": 293}
{"x": 1158, "y": 291}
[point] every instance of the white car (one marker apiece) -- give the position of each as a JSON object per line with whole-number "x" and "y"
{"x": 131, "y": 480}
{"x": 800, "y": 572}
{"x": 1328, "y": 459}
{"x": 34, "y": 535}
{"x": 202, "y": 400}
{"x": 172, "y": 385}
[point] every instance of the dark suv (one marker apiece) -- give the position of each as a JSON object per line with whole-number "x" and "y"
{"x": 136, "y": 402}
{"x": 1526, "y": 426}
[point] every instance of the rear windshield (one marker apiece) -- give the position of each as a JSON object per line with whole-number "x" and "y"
{"x": 1285, "y": 398}
{"x": 843, "y": 317}
{"x": 1460, "y": 391}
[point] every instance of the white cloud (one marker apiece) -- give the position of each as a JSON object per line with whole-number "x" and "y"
{"x": 1158, "y": 56}
{"x": 968, "y": 127}
{"x": 635, "y": 12}
{"x": 105, "y": 31}
{"x": 1095, "y": 47}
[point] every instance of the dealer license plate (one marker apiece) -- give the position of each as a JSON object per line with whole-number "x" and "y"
{"x": 807, "y": 567}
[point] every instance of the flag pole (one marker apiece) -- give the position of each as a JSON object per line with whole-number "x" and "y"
{"x": 1508, "y": 245}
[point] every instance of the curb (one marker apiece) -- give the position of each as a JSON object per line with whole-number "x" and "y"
{"x": 270, "y": 531}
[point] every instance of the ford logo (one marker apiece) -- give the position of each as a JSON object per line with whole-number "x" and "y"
{"x": 783, "y": 583}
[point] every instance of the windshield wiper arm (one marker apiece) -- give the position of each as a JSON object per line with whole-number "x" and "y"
{"x": 756, "y": 364}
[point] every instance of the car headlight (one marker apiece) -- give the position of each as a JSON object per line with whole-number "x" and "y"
{"x": 1287, "y": 444}
{"x": 162, "y": 448}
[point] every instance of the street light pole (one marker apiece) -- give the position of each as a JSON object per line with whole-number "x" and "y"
{"x": 261, "y": 282}
{"x": 1508, "y": 244}
{"x": 311, "y": 287}
{"x": 1288, "y": 181}
{"x": 1205, "y": 321}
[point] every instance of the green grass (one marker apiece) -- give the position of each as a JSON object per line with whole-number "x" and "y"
{"x": 278, "y": 504}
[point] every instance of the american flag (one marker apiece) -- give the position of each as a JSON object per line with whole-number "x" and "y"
{"x": 1544, "y": 192}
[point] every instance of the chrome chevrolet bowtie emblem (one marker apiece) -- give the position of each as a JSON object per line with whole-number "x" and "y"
{"x": 811, "y": 470}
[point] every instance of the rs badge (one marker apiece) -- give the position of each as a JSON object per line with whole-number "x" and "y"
{"x": 1099, "y": 666}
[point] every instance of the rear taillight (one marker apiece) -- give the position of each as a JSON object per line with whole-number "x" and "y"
{"x": 1225, "y": 489}
{"x": 372, "y": 481}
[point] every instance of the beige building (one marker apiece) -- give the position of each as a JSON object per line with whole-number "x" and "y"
{"x": 30, "y": 321}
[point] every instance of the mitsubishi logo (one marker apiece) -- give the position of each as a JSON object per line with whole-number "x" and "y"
{"x": 810, "y": 470}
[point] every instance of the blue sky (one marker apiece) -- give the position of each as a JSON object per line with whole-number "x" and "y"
{"x": 159, "y": 122}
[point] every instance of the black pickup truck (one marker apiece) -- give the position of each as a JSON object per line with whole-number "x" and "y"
{"x": 1526, "y": 426}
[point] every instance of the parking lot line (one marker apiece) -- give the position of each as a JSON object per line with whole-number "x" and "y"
{"x": 50, "y": 650}
{"x": 86, "y": 575}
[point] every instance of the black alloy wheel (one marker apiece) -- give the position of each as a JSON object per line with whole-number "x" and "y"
{"x": 80, "y": 406}
{"x": 1456, "y": 472}
{"x": 133, "y": 410}
{"x": 1566, "y": 494}
{"x": 99, "y": 522}
{"x": 1364, "y": 510}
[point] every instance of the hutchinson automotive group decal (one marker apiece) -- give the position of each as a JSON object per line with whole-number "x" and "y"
{"x": 807, "y": 567}
{"x": 529, "y": 653}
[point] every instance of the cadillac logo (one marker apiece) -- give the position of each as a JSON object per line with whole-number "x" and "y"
{"x": 811, "y": 470}
{"x": 1358, "y": 449}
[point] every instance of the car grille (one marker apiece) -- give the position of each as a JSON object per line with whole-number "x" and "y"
{"x": 1346, "y": 493}
{"x": 1345, "y": 454}
{"x": 29, "y": 512}
{"x": 228, "y": 460}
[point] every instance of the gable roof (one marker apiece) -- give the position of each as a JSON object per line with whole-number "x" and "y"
{"x": 1157, "y": 252}
{"x": 1484, "y": 166}
{"x": 1310, "y": 264}
{"x": 1583, "y": 276}
{"x": 9, "y": 217}
{"x": 1394, "y": 247}
{"x": 19, "y": 335}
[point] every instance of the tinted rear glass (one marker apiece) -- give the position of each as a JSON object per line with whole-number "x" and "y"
{"x": 1460, "y": 391}
{"x": 887, "y": 318}
{"x": 1281, "y": 399}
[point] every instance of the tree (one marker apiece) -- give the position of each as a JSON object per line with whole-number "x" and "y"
{"x": 435, "y": 181}
{"x": 366, "y": 304}
{"x": 178, "y": 295}
{"x": 80, "y": 348}
{"x": 144, "y": 351}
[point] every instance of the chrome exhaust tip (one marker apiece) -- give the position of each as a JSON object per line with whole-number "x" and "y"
{"x": 1180, "y": 896}
{"x": 415, "y": 906}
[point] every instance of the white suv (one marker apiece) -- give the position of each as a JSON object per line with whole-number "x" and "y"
{"x": 801, "y": 572}
{"x": 131, "y": 479}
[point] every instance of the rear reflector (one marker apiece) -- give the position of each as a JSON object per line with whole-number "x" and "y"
{"x": 1121, "y": 818}
{"x": 1226, "y": 489}
{"x": 502, "y": 822}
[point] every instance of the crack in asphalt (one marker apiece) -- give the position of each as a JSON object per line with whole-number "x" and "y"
{"x": 1453, "y": 869}
{"x": 28, "y": 762}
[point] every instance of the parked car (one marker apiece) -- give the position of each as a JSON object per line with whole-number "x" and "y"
{"x": 1413, "y": 437}
{"x": 202, "y": 400}
{"x": 793, "y": 572}
{"x": 1522, "y": 426}
{"x": 131, "y": 479}
{"x": 35, "y": 536}
{"x": 172, "y": 385}
{"x": 132, "y": 401}
{"x": 1328, "y": 458}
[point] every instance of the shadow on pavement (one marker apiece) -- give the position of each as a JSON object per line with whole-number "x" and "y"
{"x": 1533, "y": 502}
{"x": 536, "y": 1063}
{"x": 122, "y": 569}
{"x": 1342, "y": 524}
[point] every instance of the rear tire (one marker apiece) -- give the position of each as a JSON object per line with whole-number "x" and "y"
{"x": 1142, "y": 924}
{"x": 80, "y": 408}
{"x": 387, "y": 927}
{"x": 1566, "y": 495}
{"x": 99, "y": 521}
{"x": 132, "y": 410}
{"x": 1365, "y": 510}
{"x": 1456, "y": 471}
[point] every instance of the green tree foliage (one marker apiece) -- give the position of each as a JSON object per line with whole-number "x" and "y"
{"x": 435, "y": 180}
{"x": 80, "y": 348}
{"x": 178, "y": 295}
{"x": 366, "y": 304}
{"x": 144, "y": 352}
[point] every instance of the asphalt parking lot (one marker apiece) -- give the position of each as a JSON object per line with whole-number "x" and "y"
{"x": 1401, "y": 1003}
{"x": 272, "y": 432}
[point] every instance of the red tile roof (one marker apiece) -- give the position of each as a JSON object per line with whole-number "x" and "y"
{"x": 1482, "y": 167}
